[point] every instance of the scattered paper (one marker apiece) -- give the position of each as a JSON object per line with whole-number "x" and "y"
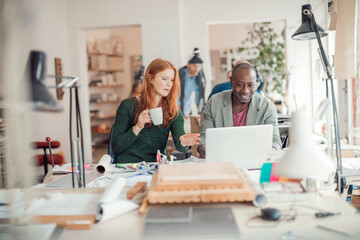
{"x": 67, "y": 204}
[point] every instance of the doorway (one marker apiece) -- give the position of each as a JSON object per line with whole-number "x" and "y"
{"x": 114, "y": 58}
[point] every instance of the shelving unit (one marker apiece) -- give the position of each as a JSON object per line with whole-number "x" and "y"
{"x": 105, "y": 79}
{"x": 2, "y": 156}
{"x": 115, "y": 57}
{"x": 106, "y": 86}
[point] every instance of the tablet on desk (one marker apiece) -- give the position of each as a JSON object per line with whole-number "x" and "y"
{"x": 245, "y": 146}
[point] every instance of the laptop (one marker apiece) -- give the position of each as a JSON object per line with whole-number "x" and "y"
{"x": 245, "y": 146}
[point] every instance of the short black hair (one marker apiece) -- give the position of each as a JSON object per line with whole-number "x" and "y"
{"x": 242, "y": 66}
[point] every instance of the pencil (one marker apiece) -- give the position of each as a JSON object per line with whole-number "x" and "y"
{"x": 143, "y": 206}
{"x": 333, "y": 230}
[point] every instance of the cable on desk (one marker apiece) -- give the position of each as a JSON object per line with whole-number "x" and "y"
{"x": 320, "y": 214}
{"x": 248, "y": 223}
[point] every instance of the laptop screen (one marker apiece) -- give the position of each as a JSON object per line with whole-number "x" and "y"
{"x": 245, "y": 146}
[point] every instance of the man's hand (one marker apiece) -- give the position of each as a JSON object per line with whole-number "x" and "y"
{"x": 189, "y": 139}
{"x": 202, "y": 151}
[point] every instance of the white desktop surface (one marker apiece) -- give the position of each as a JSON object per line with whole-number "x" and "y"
{"x": 131, "y": 225}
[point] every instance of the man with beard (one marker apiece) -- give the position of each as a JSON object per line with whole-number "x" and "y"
{"x": 240, "y": 106}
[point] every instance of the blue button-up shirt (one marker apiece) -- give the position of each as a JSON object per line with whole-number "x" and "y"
{"x": 190, "y": 87}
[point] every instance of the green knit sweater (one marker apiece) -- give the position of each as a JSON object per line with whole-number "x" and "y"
{"x": 143, "y": 147}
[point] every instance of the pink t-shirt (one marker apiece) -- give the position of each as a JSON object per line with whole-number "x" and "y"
{"x": 239, "y": 119}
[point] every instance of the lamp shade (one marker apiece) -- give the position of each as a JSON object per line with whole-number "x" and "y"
{"x": 303, "y": 159}
{"x": 306, "y": 30}
{"x": 41, "y": 99}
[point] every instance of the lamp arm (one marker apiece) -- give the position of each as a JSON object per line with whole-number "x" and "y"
{"x": 67, "y": 83}
{"x": 328, "y": 71}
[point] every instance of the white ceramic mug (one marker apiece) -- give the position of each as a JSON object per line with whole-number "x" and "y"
{"x": 156, "y": 115}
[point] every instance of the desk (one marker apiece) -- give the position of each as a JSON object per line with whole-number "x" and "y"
{"x": 131, "y": 225}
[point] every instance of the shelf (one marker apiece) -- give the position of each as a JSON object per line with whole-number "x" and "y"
{"x": 107, "y": 132}
{"x": 106, "y": 86}
{"x": 105, "y": 54}
{"x": 101, "y": 118}
{"x": 105, "y": 70}
{"x": 100, "y": 145}
{"x": 112, "y": 101}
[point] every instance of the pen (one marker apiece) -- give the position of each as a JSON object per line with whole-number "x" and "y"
{"x": 158, "y": 156}
{"x": 333, "y": 230}
{"x": 131, "y": 168}
{"x": 118, "y": 165}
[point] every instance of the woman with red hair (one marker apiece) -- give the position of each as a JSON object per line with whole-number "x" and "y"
{"x": 135, "y": 138}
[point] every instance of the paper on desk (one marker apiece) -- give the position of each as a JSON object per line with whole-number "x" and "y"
{"x": 67, "y": 204}
{"x": 11, "y": 203}
{"x": 66, "y": 168}
{"x": 110, "y": 205}
{"x": 353, "y": 163}
{"x": 10, "y": 195}
{"x": 39, "y": 232}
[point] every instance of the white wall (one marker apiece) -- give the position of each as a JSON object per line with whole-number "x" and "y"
{"x": 158, "y": 20}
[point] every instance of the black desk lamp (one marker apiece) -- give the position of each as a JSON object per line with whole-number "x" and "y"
{"x": 307, "y": 31}
{"x": 41, "y": 99}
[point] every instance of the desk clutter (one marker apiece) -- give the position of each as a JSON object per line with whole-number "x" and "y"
{"x": 82, "y": 210}
{"x": 181, "y": 196}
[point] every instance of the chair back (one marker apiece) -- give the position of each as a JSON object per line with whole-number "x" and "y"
{"x": 110, "y": 150}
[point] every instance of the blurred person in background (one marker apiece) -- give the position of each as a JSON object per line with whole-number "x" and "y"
{"x": 192, "y": 79}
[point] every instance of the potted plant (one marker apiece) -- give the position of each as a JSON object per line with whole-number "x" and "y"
{"x": 271, "y": 60}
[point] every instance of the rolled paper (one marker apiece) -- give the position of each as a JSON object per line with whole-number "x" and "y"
{"x": 110, "y": 205}
{"x": 260, "y": 198}
{"x": 103, "y": 164}
{"x": 113, "y": 191}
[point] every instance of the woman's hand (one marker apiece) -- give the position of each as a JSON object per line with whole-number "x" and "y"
{"x": 189, "y": 139}
{"x": 144, "y": 118}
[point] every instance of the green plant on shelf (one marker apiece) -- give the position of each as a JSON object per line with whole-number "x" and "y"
{"x": 271, "y": 60}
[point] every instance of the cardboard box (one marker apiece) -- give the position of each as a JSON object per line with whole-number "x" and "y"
{"x": 103, "y": 46}
{"x": 115, "y": 63}
{"x": 119, "y": 78}
{"x": 98, "y": 62}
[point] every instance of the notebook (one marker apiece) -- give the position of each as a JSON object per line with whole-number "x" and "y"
{"x": 172, "y": 214}
{"x": 204, "y": 223}
{"x": 246, "y": 146}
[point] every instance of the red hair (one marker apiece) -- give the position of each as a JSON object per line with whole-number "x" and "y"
{"x": 168, "y": 103}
